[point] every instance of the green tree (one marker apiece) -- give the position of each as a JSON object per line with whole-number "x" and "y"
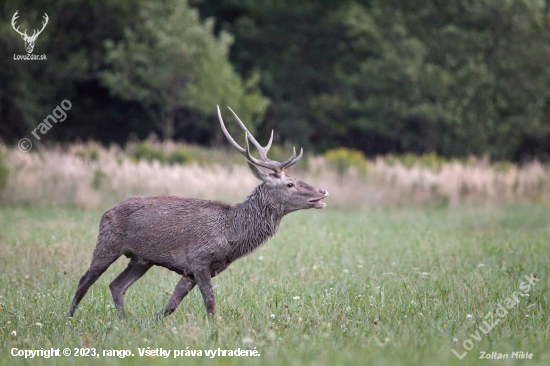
{"x": 453, "y": 77}
{"x": 72, "y": 42}
{"x": 169, "y": 59}
{"x": 293, "y": 45}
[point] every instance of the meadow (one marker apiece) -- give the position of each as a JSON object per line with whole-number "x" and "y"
{"x": 414, "y": 261}
{"x": 380, "y": 286}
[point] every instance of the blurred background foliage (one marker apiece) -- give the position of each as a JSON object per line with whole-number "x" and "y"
{"x": 447, "y": 78}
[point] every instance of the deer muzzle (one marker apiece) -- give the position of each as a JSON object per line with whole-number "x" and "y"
{"x": 316, "y": 202}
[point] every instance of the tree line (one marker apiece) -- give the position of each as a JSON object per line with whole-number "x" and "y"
{"x": 455, "y": 78}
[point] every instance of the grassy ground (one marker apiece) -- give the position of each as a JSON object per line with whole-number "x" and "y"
{"x": 381, "y": 287}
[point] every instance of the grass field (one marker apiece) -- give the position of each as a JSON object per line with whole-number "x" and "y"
{"x": 376, "y": 287}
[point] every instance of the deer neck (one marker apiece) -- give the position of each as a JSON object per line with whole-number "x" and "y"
{"x": 254, "y": 221}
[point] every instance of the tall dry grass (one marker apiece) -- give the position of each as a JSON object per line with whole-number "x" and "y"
{"x": 91, "y": 176}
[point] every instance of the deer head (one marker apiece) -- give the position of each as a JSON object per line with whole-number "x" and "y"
{"x": 283, "y": 190}
{"x": 29, "y": 41}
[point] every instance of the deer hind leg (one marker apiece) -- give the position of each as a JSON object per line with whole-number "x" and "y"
{"x": 100, "y": 263}
{"x": 184, "y": 286}
{"x": 118, "y": 287}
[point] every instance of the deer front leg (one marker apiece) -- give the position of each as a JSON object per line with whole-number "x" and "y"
{"x": 204, "y": 280}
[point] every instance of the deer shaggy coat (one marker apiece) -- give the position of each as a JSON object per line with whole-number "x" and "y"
{"x": 195, "y": 238}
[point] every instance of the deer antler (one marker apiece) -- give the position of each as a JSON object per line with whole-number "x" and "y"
{"x": 265, "y": 161}
{"x": 13, "y": 20}
{"x": 35, "y": 33}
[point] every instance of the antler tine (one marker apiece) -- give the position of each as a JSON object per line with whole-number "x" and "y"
{"x": 283, "y": 164}
{"x": 268, "y": 146}
{"x": 266, "y": 164}
{"x": 13, "y": 21}
{"x": 291, "y": 163}
{"x": 226, "y": 133}
{"x": 246, "y": 152}
{"x": 44, "y": 23}
{"x": 263, "y": 150}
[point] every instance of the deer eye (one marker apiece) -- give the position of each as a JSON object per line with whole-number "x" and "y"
{"x": 290, "y": 185}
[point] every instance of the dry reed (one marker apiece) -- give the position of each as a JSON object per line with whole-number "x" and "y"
{"x": 70, "y": 177}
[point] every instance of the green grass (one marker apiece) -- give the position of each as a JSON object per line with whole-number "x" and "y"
{"x": 380, "y": 287}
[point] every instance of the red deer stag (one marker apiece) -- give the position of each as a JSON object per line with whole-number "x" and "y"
{"x": 196, "y": 238}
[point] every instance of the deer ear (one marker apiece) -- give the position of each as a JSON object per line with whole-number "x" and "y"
{"x": 265, "y": 175}
{"x": 258, "y": 172}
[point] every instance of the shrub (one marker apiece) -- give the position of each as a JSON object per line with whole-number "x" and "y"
{"x": 431, "y": 160}
{"x": 179, "y": 155}
{"x": 165, "y": 154}
{"x": 342, "y": 159}
{"x": 89, "y": 155}
{"x": 147, "y": 151}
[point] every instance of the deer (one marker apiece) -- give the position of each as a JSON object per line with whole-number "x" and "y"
{"x": 29, "y": 41}
{"x": 196, "y": 238}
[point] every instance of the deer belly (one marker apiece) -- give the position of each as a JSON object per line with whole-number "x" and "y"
{"x": 217, "y": 267}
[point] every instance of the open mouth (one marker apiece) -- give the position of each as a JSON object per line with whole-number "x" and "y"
{"x": 316, "y": 203}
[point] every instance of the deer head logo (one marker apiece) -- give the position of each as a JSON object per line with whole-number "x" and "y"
{"x": 29, "y": 41}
